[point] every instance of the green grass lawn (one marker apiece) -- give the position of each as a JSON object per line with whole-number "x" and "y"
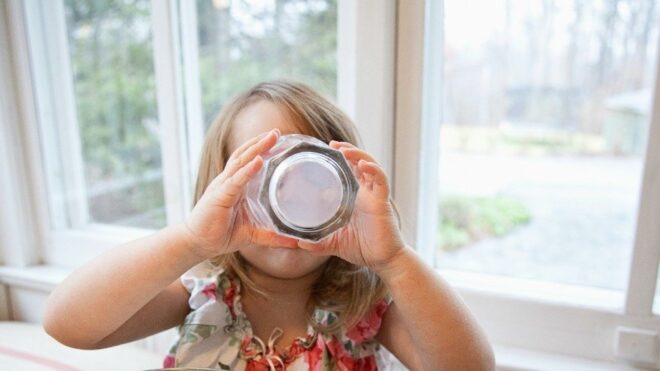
{"x": 465, "y": 220}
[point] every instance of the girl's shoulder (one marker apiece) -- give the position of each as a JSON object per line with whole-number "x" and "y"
{"x": 213, "y": 320}
{"x": 214, "y": 304}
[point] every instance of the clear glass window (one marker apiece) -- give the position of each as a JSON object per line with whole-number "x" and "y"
{"x": 244, "y": 42}
{"x": 546, "y": 117}
{"x": 111, "y": 60}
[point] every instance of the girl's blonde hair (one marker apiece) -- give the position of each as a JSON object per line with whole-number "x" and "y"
{"x": 343, "y": 288}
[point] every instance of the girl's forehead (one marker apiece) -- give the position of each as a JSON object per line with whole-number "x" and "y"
{"x": 257, "y": 118}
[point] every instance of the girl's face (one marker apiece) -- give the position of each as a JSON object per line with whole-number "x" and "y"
{"x": 275, "y": 261}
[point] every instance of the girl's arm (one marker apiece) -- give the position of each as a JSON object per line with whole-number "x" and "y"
{"x": 121, "y": 295}
{"x": 427, "y": 326}
{"x": 168, "y": 309}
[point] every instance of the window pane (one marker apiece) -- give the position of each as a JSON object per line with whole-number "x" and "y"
{"x": 244, "y": 42}
{"x": 110, "y": 45}
{"x": 546, "y": 116}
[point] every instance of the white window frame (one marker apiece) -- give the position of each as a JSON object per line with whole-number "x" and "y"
{"x": 171, "y": 107}
{"x": 16, "y": 228}
{"x": 365, "y": 72}
{"x": 365, "y": 90}
{"x": 47, "y": 99}
{"x": 540, "y": 316}
{"x": 54, "y": 95}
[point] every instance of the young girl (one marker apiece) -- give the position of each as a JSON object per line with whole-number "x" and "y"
{"x": 246, "y": 298}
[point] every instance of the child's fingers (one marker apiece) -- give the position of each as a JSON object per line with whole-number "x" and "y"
{"x": 337, "y": 145}
{"x": 355, "y": 154}
{"x": 376, "y": 175}
{"x": 232, "y": 188}
{"x": 249, "y": 150}
{"x": 253, "y": 140}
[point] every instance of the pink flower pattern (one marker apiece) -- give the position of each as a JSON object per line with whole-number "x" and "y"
{"x": 210, "y": 290}
{"x": 168, "y": 361}
{"x": 368, "y": 327}
{"x": 314, "y": 355}
{"x": 228, "y": 298}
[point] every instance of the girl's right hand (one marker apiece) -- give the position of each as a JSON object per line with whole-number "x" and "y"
{"x": 219, "y": 224}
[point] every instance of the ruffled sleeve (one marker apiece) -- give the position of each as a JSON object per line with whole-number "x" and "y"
{"x": 202, "y": 341}
{"x": 360, "y": 339}
{"x": 201, "y": 282}
{"x": 367, "y": 328}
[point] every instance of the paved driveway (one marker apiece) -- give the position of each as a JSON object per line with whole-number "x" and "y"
{"x": 583, "y": 216}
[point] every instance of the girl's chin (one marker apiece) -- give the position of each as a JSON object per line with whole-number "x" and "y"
{"x": 282, "y": 262}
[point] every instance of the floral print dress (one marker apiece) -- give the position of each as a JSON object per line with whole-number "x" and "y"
{"x": 216, "y": 334}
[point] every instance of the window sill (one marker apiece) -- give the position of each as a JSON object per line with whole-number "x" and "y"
{"x": 37, "y": 277}
{"x": 520, "y": 289}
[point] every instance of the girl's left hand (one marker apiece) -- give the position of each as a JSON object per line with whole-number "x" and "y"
{"x": 372, "y": 236}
